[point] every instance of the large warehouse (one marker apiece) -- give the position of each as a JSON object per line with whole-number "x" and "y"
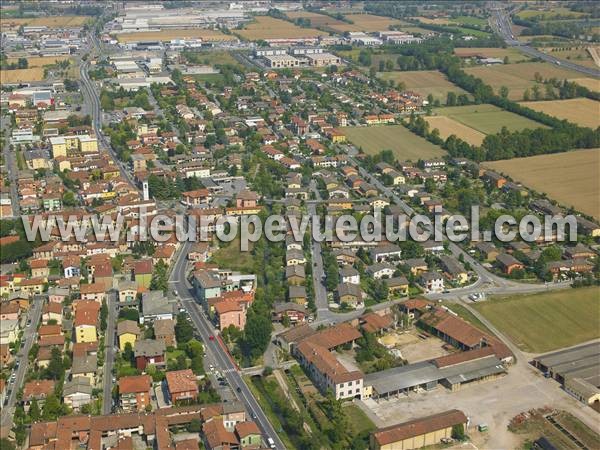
{"x": 576, "y": 369}
{"x": 451, "y": 371}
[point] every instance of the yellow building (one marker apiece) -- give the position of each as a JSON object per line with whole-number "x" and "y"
{"x": 85, "y": 333}
{"x": 418, "y": 433}
{"x": 61, "y": 145}
{"x": 127, "y": 332}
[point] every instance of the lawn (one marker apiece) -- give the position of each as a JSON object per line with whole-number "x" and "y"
{"x": 21, "y": 75}
{"x": 578, "y": 172}
{"x": 405, "y": 144}
{"x": 266, "y": 27}
{"x": 358, "y": 421}
{"x": 519, "y": 77}
{"x": 213, "y": 58}
{"x": 447, "y": 126}
{"x": 548, "y": 321}
{"x": 50, "y": 21}
{"x": 424, "y": 82}
{"x": 582, "y": 111}
{"x": 487, "y": 119}
{"x": 167, "y": 35}
{"x": 230, "y": 256}
{"x": 491, "y": 52}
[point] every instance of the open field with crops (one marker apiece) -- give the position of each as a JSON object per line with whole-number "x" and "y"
{"x": 39, "y": 61}
{"x": 447, "y": 126}
{"x": 405, "y": 144}
{"x": 22, "y": 75}
{"x": 577, "y": 55}
{"x": 550, "y": 14}
{"x": 50, "y": 22}
{"x": 487, "y": 119}
{"x": 265, "y": 27}
{"x": 518, "y": 77}
{"x": 590, "y": 83}
{"x": 542, "y": 322}
{"x": 167, "y": 35}
{"x": 317, "y": 20}
{"x": 367, "y": 23}
{"x": 424, "y": 82}
{"x": 487, "y": 52}
{"x": 582, "y": 111}
{"x": 571, "y": 178}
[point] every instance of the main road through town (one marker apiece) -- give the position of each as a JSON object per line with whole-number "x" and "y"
{"x": 214, "y": 347}
{"x": 501, "y": 23}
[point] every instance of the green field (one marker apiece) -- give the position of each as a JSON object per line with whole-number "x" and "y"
{"x": 487, "y": 119}
{"x": 358, "y": 420}
{"x": 424, "y": 82}
{"x": 542, "y": 322}
{"x": 550, "y": 14}
{"x": 231, "y": 256}
{"x": 405, "y": 144}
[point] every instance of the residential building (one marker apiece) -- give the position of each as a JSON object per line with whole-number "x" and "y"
{"x": 155, "y": 306}
{"x": 181, "y": 385}
{"x": 127, "y": 333}
{"x": 164, "y": 330}
{"x": 148, "y": 351}
{"x": 77, "y": 392}
{"x": 134, "y": 392}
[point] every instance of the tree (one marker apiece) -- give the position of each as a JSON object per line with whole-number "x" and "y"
{"x": 159, "y": 281}
{"x": 503, "y": 92}
{"x": 55, "y": 369}
{"x": 128, "y": 354}
{"x": 184, "y": 331}
{"x": 69, "y": 199}
{"x": 257, "y": 334}
{"x": 103, "y": 315}
{"x": 34, "y": 411}
{"x": 458, "y": 432}
{"x": 195, "y": 426}
{"x": 5, "y": 444}
{"x": 129, "y": 314}
{"x": 451, "y": 99}
{"x": 52, "y": 408}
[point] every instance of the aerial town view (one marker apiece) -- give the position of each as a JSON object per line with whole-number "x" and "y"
{"x": 269, "y": 224}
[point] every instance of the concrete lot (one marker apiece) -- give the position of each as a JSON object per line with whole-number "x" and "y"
{"x": 423, "y": 349}
{"x": 493, "y": 402}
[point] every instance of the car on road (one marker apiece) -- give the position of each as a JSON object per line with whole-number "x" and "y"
{"x": 211, "y": 338}
{"x": 238, "y": 389}
{"x": 271, "y": 442}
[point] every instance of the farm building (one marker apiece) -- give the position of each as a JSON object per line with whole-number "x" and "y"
{"x": 417, "y": 433}
{"x": 576, "y": 369}
{"x": 451, "y": 371}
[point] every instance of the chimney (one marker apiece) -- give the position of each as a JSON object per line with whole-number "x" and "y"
{"x": 145, "y": 190}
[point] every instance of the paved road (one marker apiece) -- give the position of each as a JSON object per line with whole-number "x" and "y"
{"x": 320, "y": 292}
{"x": 92, "y": 99}
{"x": 10, "y": 159}
{"x": 109, "y": 353}
{"x": 22, "y": 357}
{"x": 501, "y": 23}
{"x": 214, "y": 350}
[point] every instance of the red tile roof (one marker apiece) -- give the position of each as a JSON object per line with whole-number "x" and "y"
{"x": 134, "y": 384}
{"x": 181, "y": 381}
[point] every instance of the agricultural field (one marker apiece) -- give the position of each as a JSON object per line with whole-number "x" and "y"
{"x": 447, "y": 126}
{"x": 39, "y": 61}
{"x": 543, "y": 322}
{"x": 213, "y": 58}
{"x": 366, "y": 23}
{"x": 590, "y": 83}
{"x": 582, "y": 111}
{"x": 518, "y": 77}
{"x": 487, "y": 119}
{"x": 578, "y": 172}
{"x": 405, "y": 144}
{"x": 317, "y": 20}
{"x": 167, "y": 35}
{"x": 550, "y": 14}
{"x": 50, "y": 22}
{"x": 21, "y": 75}
{"x": 487, "y": 52}
{"x": 265, "y": 27}
{"x": 424, "y": 82}
{"x": 577, "y": 55}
